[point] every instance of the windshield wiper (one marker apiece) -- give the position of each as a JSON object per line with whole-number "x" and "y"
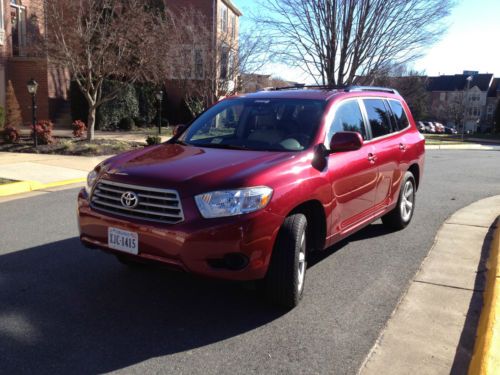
{"x": 220, "y": 145}
{"x": 179, "y": 142}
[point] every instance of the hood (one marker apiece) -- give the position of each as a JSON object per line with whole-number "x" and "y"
{"x": 192, "y": 170}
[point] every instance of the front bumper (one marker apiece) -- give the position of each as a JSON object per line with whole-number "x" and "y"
{"x": 194, "y": 245}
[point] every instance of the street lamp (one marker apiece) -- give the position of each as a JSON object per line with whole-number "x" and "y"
{"x": 469, "y": 79}
{"x": 32, "y": 88}
{"x": 159, "y": 97}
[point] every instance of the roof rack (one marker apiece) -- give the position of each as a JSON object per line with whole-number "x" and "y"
{"x": 346, "y": 88}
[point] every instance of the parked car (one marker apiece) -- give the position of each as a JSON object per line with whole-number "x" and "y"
{"x": 439, "y": 127}
{"x": 421, "y": 127}
{"x": 450, "y": 130}
{"x": 256, "y": 183}
{"x": 430, "y": 128}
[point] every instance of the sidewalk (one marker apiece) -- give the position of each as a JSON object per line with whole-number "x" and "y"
{"x": 39, "y": 171}
{"x": 433, "y": 329}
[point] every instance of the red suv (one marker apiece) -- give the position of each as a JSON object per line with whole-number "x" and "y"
{"x": 257, "y": 182}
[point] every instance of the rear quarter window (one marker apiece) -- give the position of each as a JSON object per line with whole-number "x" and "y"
{"x": 399, "y": 114}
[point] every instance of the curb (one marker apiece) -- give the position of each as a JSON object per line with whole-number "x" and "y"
{"x": 486, "y": 355}
{"x": 27, "y": 186}
{"x": 463, "y": 147}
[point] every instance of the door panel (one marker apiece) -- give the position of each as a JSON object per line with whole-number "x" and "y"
{"x": 354, "y": 181}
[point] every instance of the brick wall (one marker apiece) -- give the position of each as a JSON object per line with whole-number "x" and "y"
{"x": 20, "y": 71}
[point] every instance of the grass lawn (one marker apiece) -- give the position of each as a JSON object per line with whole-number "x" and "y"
{"x": 450, "y": 139}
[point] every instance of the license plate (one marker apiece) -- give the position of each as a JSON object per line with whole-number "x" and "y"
{"x": 123, "y": 240}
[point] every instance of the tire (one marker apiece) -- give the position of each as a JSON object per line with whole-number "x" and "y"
{"x": 401, "y": 215}
{"x": 284, "y": 282}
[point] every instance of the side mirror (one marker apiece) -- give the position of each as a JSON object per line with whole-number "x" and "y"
{"x": 179, "y": 129}
{"x": 346, "y": 141}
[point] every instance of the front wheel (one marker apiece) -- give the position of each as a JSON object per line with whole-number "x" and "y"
{"x": 284, "y": 282}
{"x": 401, "y": 215}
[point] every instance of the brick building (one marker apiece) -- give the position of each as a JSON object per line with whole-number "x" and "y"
{"x": 22, "y": 29}
{"x": 222, "y": 17}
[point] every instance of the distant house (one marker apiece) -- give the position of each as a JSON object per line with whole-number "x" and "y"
{"x": 255, "y": 82}
{"x": 492, "y": 100}
{"x": 456, "y": 99}
{"x": 22, "y": 29}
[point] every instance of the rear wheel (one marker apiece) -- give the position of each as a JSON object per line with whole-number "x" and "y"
{"x": 284, "y": 283}
{"x": 401, "y": 215}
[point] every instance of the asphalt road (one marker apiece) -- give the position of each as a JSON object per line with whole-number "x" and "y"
{"x": 65, "y": 309}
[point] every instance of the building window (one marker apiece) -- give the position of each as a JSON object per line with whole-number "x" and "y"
{"x": 233, "y": 26}
{"x": 18, "y": 21}
{"x": 2, "y": 26}
{"x": 224, "y": 61}
{"x": 223, "y": 18}
{"x": 198, "y": 63}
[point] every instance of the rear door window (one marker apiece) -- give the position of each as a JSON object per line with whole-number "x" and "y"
{"x": 378, "y": 117}
{"x": 348, "y": 117}
{"x": 399, "y": 114}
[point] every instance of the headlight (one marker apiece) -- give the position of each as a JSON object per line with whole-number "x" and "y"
{"x": 91, "y": 177}
{"x": 233, "y": 202}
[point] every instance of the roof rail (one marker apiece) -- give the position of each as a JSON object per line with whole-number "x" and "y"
{"x": 371, "y": 88}
{"x": 349, "y": 88}
{"x": 300, "y": 86}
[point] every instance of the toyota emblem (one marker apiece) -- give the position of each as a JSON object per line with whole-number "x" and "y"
{"x": 129, "y": 199}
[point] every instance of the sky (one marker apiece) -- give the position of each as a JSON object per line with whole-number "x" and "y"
{"x": 472, "y": 42}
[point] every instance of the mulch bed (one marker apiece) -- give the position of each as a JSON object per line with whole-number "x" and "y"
{"x": 71, "y": 146}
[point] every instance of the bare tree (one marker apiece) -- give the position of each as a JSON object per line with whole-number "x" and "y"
{"x": 451, "y": 109}
{"x": 96, "y": 40}
{"x": 208, "y": 66}
{"x": 411, "y": 84}
{"x": 334, "y": 41}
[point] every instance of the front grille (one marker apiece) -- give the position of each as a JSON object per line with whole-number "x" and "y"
{"x": 159, "y": 205}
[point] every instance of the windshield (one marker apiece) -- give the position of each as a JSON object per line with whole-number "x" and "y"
{"x": 257, "y": 124}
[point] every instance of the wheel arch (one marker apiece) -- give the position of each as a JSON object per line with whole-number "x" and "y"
{"x": 316, "y": 222}
{"x": 415, "y": 170}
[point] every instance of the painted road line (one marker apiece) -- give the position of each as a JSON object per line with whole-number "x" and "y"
{"x": 486, "y": 357}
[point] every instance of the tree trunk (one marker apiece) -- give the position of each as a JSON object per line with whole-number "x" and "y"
{"x": 91, "y": 123}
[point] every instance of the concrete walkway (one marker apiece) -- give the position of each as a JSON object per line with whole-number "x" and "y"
{"x": 37, "y": 171}
{"x": 433, "y": 328}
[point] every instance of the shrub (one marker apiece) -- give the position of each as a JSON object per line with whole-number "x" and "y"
{"x": 79, "y": 128}
{"x": 148, "y": 104}
{"x": 43, "y": 130}
{"x": 126, "y": 123}
{"x": 10, "y": 134}
{"x": 153, "y": 140}
{"x": 126, "y": 104}
{"x": 2, "y": 117}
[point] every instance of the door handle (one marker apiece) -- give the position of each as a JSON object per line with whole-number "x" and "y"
{"x": 402, "y": 147}
{"x": 372, "y": 158}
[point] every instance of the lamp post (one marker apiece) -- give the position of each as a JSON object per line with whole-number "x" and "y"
{"x": 469, "y": 79}
{"x": 159, "y": 97}
{"x": 32, "y": 87}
